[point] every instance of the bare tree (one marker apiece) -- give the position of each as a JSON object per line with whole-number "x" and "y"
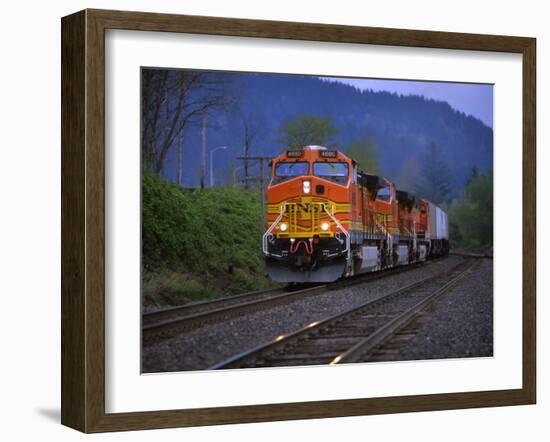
{"x": 171, "y": 100}
{"x": 249, "y": 133}
{"x": 203, "y": 149}
{"x": 179, "y": 157}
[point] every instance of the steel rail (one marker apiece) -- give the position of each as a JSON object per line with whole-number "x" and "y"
{"x": 165, "y": 328}
{"x": 248, "y": 357}
{"x": 364, "y": 348}
{"x": 197, "y": 307}
{"x": 472, "y": 255}
{"x": 193, "y": 321}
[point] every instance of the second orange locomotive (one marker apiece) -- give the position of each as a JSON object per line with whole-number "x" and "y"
{"x": 326, "y": 219}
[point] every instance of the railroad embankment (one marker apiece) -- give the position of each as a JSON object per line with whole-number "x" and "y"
{"x": 198, "y": 244}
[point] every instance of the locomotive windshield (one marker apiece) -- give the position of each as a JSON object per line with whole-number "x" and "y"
{"x": 384, "y": 194}
{"x": 333, "y": 171}
{"x": 290, "y": 169}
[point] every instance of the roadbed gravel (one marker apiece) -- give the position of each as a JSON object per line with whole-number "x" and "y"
{"x": 201, "y": 348}
{"x": 461, "y": 324}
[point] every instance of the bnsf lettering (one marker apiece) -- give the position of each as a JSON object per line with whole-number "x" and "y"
{"x": 303, "y": 209}
{"x": 381, "y": 218}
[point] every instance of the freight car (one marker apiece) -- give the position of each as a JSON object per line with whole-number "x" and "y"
{"x": 326, "y": 220}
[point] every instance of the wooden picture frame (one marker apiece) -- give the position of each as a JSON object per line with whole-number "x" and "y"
{"x": 83, "y": 220}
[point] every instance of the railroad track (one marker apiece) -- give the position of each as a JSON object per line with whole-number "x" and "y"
{"x": 355, "y": 335}
{"x": 472, "y": 255}
{"x": 195, "y": 308}
{"x": 168, "y": 322}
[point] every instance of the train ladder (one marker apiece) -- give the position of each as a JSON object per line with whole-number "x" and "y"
{"x": 388, "y": 235}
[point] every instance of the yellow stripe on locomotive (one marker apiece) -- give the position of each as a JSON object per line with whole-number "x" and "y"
{"x": 306, "y": 217}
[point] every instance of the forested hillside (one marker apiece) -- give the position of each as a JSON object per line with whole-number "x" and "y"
{"x": 404, "y": 130}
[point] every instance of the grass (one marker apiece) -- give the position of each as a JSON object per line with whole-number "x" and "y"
{"x": 199, "y": 244}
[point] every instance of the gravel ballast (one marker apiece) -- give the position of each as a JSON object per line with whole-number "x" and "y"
{"x": 461, "y": 324}
{"x": 212, "y": 343}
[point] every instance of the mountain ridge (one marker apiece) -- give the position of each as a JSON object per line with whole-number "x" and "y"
{"x": 400, "y": 126}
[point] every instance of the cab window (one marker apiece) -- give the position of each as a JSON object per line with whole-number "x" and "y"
{"x": 290, "y": 169}
{"x": 383, "y": 194}
{"x": 332, "y": 171}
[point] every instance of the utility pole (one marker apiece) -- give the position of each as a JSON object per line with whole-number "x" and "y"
{"x": 261, "y": 179}
{"x": 262, "y": 191}
{"x": 179, "y": 159}
{"x": 203, "y": 149}
{"x": 212, "y": 163}
{"x": 245, "y": 167}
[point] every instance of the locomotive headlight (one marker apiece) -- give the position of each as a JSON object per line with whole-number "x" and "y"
{"x": 307, "y": 186}
{"x": 324, "y": 227}
{"x": 283, "y": 227}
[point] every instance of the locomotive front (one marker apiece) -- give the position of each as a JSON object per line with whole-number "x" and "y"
{"x": 307, "y": 235}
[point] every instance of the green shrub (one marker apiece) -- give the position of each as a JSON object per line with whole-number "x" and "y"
{"x": 213, "y": 236}
{"x": 471, "y": 218}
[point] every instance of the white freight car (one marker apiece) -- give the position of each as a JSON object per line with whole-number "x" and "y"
{"x": 438, "y": 230}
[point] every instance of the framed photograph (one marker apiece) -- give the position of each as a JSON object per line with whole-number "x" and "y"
{"x": 269, "y": 220}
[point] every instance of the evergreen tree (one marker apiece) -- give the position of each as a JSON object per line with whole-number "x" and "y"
{"x": 407, "y": 178}
{"x": 434, "y": 182}
{"x": 471, "y": 218}
{"x": 474, "y": 173}
{"x": 365, "y": 154}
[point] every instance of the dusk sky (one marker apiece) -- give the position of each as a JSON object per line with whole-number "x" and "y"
{"x": 472, "y": 99}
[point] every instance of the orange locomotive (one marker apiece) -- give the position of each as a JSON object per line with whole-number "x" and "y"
{"x": 326, "y": 219}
